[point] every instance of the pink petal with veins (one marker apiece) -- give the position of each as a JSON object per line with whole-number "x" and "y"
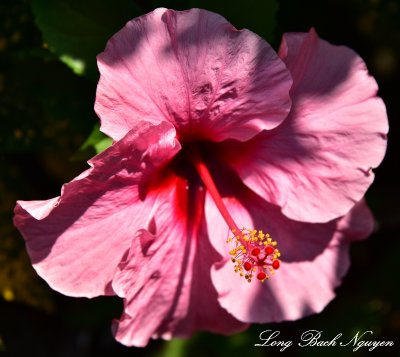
{"x": 318, "y": 163}
{"x": 195, "y": 70}
{"x": 76, "y": 241}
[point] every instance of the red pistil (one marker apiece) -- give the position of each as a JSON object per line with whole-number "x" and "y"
{"x": 261, "y": 276}
{"x": 276, "y": 264}
{"x": 212, "y": 189}
{"x": 247, "y": 266}
{"x": 262, "y": 259}
{"x": 269, "y": 250}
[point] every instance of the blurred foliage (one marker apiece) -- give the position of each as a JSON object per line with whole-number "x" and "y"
{"x": 48, "y": 129}
{"x": 77, "y": 30}
{"x": 94, "y": 144}
{"x": 18, "y": 282}
{"x": 258, "y": 16}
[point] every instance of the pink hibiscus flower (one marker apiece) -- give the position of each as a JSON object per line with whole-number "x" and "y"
{"x": 214, "y": 131}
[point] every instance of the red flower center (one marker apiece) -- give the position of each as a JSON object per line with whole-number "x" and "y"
{"x": 254, "y": 253}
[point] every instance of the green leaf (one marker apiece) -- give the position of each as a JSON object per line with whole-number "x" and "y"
{"x": 77, "y": 31}
{"x": 94, "y": 144}
{"x": 102, "y": 144}
{"x": 97, "y": 140}
{"x": 77, "y": 65}
{"x": 175, "y": 348}
{"x": 258, "y": 16}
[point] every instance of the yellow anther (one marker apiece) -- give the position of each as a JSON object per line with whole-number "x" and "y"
{"x": 250, "y": 265}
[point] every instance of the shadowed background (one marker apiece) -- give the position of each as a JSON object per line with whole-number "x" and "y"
{"x": 48, "y": 130}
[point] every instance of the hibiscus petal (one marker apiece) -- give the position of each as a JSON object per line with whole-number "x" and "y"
{"x": 319, "y": 162}
{"x": 166, "y": 279}
{"x": 76, "y": 241}
{"x": 305, "y": 282}
{"x": 195, "y": 70}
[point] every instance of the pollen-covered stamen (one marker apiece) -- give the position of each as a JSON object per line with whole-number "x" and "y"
{"x": 254, "y": 254}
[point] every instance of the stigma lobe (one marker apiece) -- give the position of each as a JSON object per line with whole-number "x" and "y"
{"x": 254, "y": 254}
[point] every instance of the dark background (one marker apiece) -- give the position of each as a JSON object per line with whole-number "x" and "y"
{"x": 46, "y": 114}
